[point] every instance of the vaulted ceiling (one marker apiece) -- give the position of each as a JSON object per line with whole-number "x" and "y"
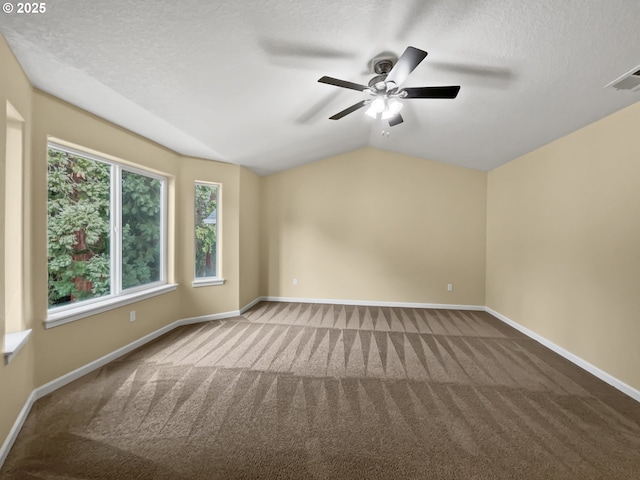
{"x": 237, "y": 81}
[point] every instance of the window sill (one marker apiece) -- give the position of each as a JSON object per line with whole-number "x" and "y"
{"x": 13, "y": 343}
{"x": 73, "y": 314}
{"x": 207, "y": 282}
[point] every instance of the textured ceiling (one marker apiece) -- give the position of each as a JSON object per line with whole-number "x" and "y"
{"x": 237, "y": 81}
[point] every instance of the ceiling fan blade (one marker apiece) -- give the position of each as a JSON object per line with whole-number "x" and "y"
{"x": 343, "y": 83}
{"x": 406, "y": 64}
{"x": 397, "y": 120}
{"x": 349, "y": 110}
{"x": 432, "y": 92}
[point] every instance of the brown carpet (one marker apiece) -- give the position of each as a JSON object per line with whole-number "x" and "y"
{"x": 299, "y": 391}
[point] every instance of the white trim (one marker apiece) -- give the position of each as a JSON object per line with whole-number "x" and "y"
{"x": 63, "y": 380}
{"x": 208, "y": 318}
{"x": 13, "y": 343}
{"x": 251, "y": 304}
{"x": 115, "y": 260}
{"x": 164, "y": 228}
{"x": 91, "y": 366}
{"x": 601, "y": 374}
{"x": 374, "y": 303}
{"x": 17, "y": 426}
{"x": 207, "y": 282}
{"x": 79, "y": 372}
{"x": 86, "y": 310}
{"x": 218, "y": 280}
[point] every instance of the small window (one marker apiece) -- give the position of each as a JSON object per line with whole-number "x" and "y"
{"x": 12, "y": 203}
{"x": 14, "y": 237}
{"x": 106, "y": 229}
{"x": 207, "y": 227}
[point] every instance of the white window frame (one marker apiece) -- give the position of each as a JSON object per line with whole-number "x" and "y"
{"x": 218, "y": 279}
{"x": 118, "y": 296}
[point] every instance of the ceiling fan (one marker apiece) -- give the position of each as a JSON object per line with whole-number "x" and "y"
{"x": 385, "y": 90}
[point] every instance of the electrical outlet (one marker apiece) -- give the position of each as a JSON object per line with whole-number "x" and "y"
{"x": 132, "y": 316}
{"x": 450, "y": 287}
{"x": 295, "y": 282}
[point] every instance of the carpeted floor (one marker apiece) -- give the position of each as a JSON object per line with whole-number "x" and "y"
{"x": 300, "y": 391}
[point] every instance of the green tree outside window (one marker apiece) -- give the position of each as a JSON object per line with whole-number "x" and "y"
{"x": 79, "y": 226}
{"x": 206, "y": 221}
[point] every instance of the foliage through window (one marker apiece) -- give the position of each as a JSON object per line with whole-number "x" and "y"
{"x": 206, "y": 230}
{"x": 105, "y": 227}
{"x": 141, "y": 229}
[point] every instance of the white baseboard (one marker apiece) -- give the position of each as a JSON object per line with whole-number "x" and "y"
{"x": 601, "y": 374}
{"x": 79, "y": 372}
{"x": 17, "y": 426}
{"x": 63, "y": 380}
{"x": 110, "y": 357}
{"x": 374, "y": 303}
{"x": 67, "y": 378}
{"x": 207, "y": 318}
{"x": 251, "y": 304}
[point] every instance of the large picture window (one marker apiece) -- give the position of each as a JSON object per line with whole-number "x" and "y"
{"x": 106, "y": 229}
{"x": 207, "y": 222}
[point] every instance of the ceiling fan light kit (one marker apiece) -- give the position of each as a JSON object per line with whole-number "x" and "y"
{"x": 385, "y": 88}
{"x": 393, "y": 108}
{"x": 385, "y": 107}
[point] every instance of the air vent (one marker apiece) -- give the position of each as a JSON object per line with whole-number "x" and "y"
{"x": 628, "y": 81}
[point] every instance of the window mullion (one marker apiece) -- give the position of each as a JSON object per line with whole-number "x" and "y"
{"x": 163, "y": 231}
{"x": 116, "y": 228}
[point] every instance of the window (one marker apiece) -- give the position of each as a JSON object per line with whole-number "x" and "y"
{"x": 14, "y": 330}
{"x": 207, "y": 227}
{"x": 14, "y": 239}
{"x": 106, "y": 230}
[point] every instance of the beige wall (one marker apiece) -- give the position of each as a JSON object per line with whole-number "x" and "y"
{"x": 563, "y": 243}
{"x": 249, "y": 259}
{"x": 373, "y": 225}
{"x": 53, "y": 352}
{"x": 219, "y": 298}
{"x": 111, "y": 330}
{"x": 64, "y": 348}
{"x": 554, "y": 235}
{"x": 17, "y": 378}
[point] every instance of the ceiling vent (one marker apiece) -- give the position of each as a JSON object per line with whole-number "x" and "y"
{"x": 628, "y": 81}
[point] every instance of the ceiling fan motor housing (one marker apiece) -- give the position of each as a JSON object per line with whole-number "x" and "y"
{"x": 377, "y": 82}
{"x": 381, "y": 65}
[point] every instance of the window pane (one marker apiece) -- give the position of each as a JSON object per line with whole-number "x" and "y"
{"x": 206, "y": 206}
{"x": 78, "y": 228}
{"x": 141, "y": 229}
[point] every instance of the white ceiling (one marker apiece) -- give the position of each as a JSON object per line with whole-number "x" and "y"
{"x": 237, "y": 80}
